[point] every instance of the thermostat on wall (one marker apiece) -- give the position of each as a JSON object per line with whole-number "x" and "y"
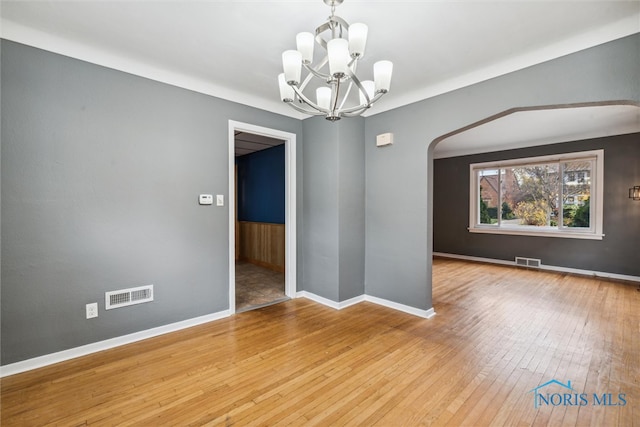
{"x": 206, "y": 199}
{"x": 384, "y": 139}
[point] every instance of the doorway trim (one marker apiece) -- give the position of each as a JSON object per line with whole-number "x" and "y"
{"x": 290, "y": 259}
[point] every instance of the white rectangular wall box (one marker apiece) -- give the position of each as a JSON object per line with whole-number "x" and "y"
{"x": 384, "y": 139}
{"x": 92, "y": 310}
{"x": 126, "y": 297}
{"x": 206, "y": 199}
{"x": 220, "y": 200}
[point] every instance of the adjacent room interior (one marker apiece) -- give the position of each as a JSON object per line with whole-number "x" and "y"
{"x": 260, "y": 221}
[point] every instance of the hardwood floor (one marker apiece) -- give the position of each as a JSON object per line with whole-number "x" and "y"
{"x": 499, "y": 332}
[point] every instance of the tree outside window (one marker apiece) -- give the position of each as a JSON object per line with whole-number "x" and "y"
{"x": 530, "y": 195}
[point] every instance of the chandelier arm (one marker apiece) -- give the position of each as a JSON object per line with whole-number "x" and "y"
{"x": 352, "y": 72}
{"x": 330, "y": 25}
{"x": 345, "y": 96}
{"x": 363, "y": 107}
{"x": 341, "y": 22}
{"x": 355, "y": 113}
{"x": 315, "y": 71}
{"x": 306, "y": 81}
{"x": 321, "y": 29}
{"x": 361, "y": 88}
{"x": 304, "y": 110}
{"x": 308, "y": 101}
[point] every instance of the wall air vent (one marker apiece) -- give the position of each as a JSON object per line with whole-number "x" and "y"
{"x": 528, "y": 262}
{"x": 125, "y": 297}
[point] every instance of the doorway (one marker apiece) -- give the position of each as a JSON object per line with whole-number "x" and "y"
{"x": 262, "y": 247}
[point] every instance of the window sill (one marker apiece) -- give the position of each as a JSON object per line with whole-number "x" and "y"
{"x": 538, "y": 233}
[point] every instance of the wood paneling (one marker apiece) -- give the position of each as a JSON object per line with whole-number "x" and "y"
{"x": 499, "y": 332}
{"x": 262, "y": 244}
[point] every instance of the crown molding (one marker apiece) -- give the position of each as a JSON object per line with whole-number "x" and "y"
{"x": 617, "y": 30}
{"x": 84, "y": 52}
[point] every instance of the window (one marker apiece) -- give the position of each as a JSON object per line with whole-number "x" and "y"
{"x": 557, "y": 196}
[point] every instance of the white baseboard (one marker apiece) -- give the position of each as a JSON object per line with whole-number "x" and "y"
{"x": 601, "y": 274}
{"x": 72, "y": 353}
{"x": 318, "y": 299}
{"x": 330, "y": 303}
{"x": 427, "y": 314}
{"x": 61, "y": 356}
{"x": 386, "y": 303}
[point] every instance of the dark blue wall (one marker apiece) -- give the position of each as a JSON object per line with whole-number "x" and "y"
{"x": 261, "y": 186}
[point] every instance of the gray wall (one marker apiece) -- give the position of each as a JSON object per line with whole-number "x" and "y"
{"x": 616, "y": 253}
{"x": 398, "y": 205}
{"x": 351, "y": 207}
{"x": 333, "y": 256}
{"x": 320, "y": 264}
{"x": 101, "y": 171}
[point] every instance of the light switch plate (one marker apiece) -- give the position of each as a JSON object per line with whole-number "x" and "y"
{"x": 219, "y": 200}
{"x": 205, "y": 199}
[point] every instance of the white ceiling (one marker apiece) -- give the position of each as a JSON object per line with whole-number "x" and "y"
{"x": 525, "y": 128}
{"x": 232, "y": 49}
{"x": 247, "y": 143}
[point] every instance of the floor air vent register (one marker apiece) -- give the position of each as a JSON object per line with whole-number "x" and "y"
{"x": 528, "y": 262}
{"x": 126, "y": 297}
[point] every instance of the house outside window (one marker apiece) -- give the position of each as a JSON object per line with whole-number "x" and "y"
{"x": 555, "y": 196}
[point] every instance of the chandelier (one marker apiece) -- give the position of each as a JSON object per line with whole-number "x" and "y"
{"x": 339, "y": 92}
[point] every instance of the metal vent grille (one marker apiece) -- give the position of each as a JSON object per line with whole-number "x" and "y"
{"x": 142, "y": 294}
{"x": 528, "y": 262}
{"x": 126, "y": 297}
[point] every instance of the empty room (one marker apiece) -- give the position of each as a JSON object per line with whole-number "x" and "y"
{"x": 320, "y": 212}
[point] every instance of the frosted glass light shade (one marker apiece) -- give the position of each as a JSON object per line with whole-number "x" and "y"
{"x": 357, "y": 39}
{"x": 291, "y": 62}
{"x": 338, "y": 52}
{"x": 323, "y": 95}
{"x": 334, "y": 79}
{"x": 369, "y": 87}
{"x": 286, "y": 92}
{"x": 304, "y": 42}
{"x": 382, "y": 71}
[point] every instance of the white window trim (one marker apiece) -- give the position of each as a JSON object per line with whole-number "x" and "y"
{"x": 597, "y": 191}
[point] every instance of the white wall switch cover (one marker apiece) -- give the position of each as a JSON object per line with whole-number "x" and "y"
{"x": 220, "y": 200}
{"x": 384, "y": 139}
{"x": 205, "y": 199}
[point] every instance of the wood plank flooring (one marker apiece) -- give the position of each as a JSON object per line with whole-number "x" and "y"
{"x": 499, "y": 332}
